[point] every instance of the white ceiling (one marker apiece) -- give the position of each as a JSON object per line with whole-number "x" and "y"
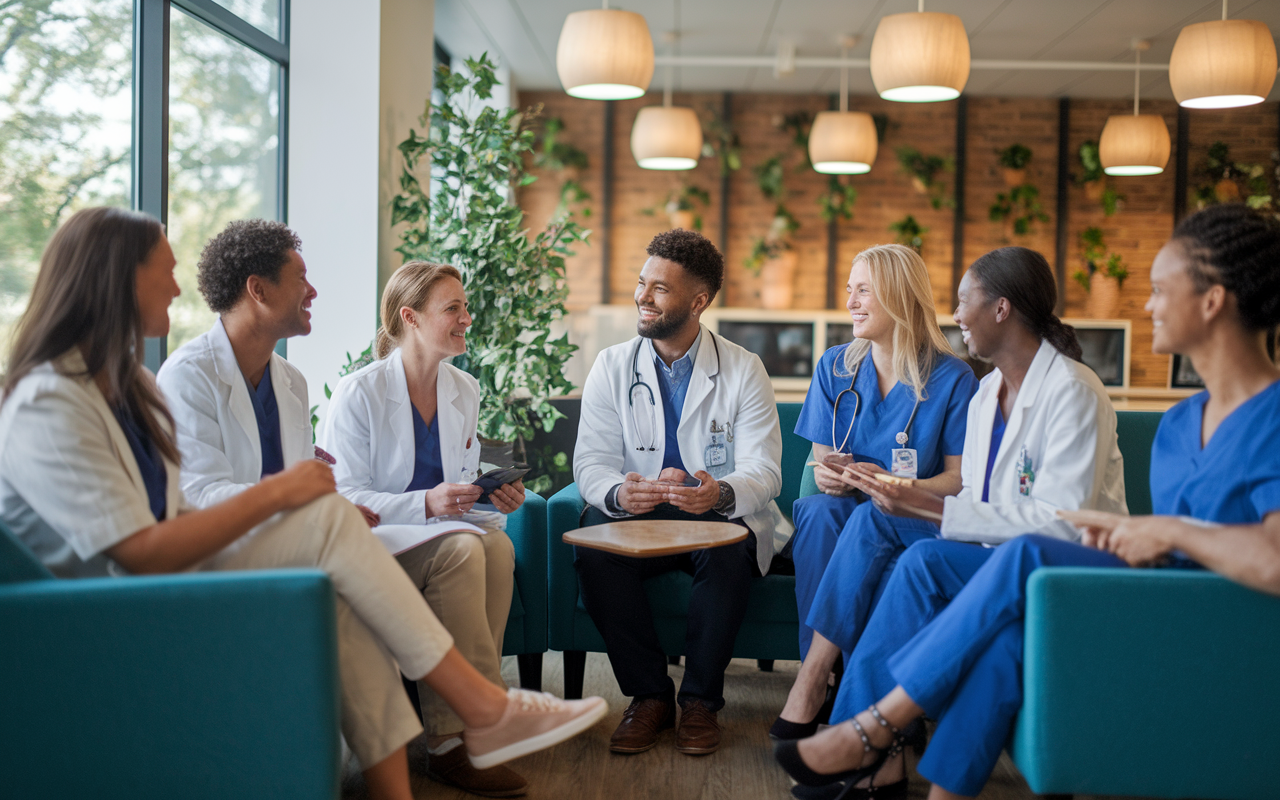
{"x": 522, "y": 34}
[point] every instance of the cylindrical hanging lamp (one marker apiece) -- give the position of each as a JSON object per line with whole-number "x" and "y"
{"x": 843, "y": 142}
{"x": 1134, "y": 144}
{"x": 920, "y": 58}
{"x": 666, "y": 137}
{"x": 1223, "y": 64}
{"x": 605, "y": 54}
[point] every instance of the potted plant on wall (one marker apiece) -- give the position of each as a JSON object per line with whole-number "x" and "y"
{"x": 515, "y": 282}
{"x": 907, "y": 231}
{"x": 1013, "y": 164}
{"x": 772, "y": 256}
{"x": 681, "y": 207}
{"x": 1228, "y": 181}
{"x": 924, "y": 171}
{"x": 1102, "y": 275}
{"x": 1094, "y": 180}
{"x": 1019, "y": 208}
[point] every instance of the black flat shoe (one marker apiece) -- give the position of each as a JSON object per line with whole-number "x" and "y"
{"x": 842, "y": 791}
{"x": 785, "y": 729}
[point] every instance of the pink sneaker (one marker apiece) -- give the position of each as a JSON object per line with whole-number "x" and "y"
{"x": 532, "y": 721}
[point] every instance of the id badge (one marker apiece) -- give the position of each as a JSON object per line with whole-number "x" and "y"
{"x": 903, "y": 463}
{"x": 716, "y": 453}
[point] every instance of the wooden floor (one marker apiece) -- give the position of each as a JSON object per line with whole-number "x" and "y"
{"x": 584, "y": 769}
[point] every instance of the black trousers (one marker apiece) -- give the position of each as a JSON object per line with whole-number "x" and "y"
{"x": 613, "y": 594}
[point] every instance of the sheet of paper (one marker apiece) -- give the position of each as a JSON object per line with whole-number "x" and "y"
{"x": 400, "y": 538}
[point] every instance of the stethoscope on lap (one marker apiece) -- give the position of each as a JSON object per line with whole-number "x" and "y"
{"x": 638, "y": 382}
{"x": 903, "y": 459}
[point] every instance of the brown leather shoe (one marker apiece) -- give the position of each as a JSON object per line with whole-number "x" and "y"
{"x": 454, "y": 769}
{"x": 641, "y": 723}
{"x": 699, "y": 732}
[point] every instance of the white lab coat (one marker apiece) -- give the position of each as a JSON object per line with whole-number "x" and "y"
{"x": 728, "y": 384}
{"x": 1064, "y": 423}
{"x": 217, "y": 429}
{"x": 368, "y": 428}
{"x": 57, "y": 431}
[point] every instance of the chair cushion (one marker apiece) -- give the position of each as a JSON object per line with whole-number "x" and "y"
{"x": 17, "y": 562}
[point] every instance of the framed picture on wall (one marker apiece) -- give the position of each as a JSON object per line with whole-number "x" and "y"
{"x": 1182, "y": 375}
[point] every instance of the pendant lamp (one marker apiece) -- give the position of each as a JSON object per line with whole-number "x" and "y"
{"x": 920, "y": 58}
{"x": 666, "y": 137}
{"x": 605, "y": 54}
{"x": 1134, "y": 144}
{"x": 843, "y": 142}
{"x": 1223, "y": 64}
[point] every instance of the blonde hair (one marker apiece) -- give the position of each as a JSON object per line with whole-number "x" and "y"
{"x": 409, "y": 287}
{"x": 900, "y": 282}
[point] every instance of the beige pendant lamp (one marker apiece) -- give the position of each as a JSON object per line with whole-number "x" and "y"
{"x": 920, "y": 58}
{"x": 1223, "y": 64}
{"x": 843, "y": 142}
{"x": 666, "y": 137}
{"x": 605, "y": 54}
{"x": 1134, "y": 144}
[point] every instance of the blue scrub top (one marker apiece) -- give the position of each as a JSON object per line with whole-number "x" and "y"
{"x": 267, "y": 413}
{"x": 997, "y": 436}
{"x": 150, "y": 464}
{"x": 428, "y": 471}
{"x": 1235, "y": 479}
{"x": 938, "y": 428}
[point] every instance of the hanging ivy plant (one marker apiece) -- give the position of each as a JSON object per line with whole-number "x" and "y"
{"x": 1094, "y": 179}
{"x": 720, "y": 140}
{"x": 909, "y": 232}
{"x": 515, "y": 282}
{"x": 837, "y": 200}
{"x": 924, "y": 171}
{"x": 1021, "y": 204}
{"x": 1093, "y": 252}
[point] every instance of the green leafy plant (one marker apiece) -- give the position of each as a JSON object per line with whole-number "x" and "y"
{"x": 1093, "y": 252}
{"x": 550, "y": 152}
{"x": 924, "y": 171}
{"x": 1092, "y": 174}
{"x": 1021, "y": 204}
{"x": 515, "y": 282}
{"x": 909, "y": 232}
{"x": 1230, "y": 181}
{"x": 685, "y": 197}
{"x": 721, "y": 141}
{"x": 774, "y": 243}
{"x": 837, "y": 200}
{"x": 1015, "y": 156}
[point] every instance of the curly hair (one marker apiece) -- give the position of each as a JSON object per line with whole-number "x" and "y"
{"x": 1238, "y": 248}
{"x": 694, "y": 252}
{"x": 246, "y": 247}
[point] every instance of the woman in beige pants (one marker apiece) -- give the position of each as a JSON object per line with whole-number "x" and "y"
{"x": 89, "y": 480}
{"x": 404, "y": 432}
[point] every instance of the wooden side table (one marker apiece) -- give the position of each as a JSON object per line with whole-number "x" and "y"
{"x": 650, "y": 538}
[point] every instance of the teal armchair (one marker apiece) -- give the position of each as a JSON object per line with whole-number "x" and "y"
{"x": 769, "y": 631}
{"x": 526, "y": 634}
{"x": 207, "y": 685}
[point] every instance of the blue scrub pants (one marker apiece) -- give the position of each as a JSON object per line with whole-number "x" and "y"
{"x": 858, "y": 572}
{"x": 965, "y": 668}
{"x": 819, "y": 520}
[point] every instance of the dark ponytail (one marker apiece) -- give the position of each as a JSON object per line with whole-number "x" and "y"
{"x": 1023, "y": 277}
{"x": 1238, "y": 248}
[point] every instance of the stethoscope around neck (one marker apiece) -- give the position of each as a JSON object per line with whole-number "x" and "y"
{"x": 903, "y": 435}
{"x": 638, "y": 382}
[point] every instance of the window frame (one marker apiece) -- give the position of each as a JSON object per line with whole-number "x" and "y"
{"x": 150, "y": 145}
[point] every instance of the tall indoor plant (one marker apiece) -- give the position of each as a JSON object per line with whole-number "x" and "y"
{"x": 515, "y": 282}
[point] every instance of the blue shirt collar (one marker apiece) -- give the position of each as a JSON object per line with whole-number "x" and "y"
{"x": 682, "y": 367}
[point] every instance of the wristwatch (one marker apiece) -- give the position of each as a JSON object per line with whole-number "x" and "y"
{"x": 725, "y": 504}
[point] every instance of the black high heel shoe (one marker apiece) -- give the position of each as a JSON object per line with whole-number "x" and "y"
{"x": 844, "y": 791}
{"x": 787, "y": 754}
{"x": 783, "y": 729}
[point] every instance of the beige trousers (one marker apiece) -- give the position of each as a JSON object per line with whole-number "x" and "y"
{"x": 381, "y": 619}
{"x": 467, "y": 579}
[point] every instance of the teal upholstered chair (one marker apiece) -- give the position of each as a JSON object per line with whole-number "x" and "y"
{"x": 1157, "y": 683}
{"x": 769, "y": 632}
{"x": 526, "y": 634}
{"x": 208, "y": 685}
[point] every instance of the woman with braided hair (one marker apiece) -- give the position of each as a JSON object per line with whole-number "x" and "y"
{"x": 1215, "y": 487}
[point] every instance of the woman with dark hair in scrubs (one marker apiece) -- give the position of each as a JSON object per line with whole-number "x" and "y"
{"x": 1215, "y": 486}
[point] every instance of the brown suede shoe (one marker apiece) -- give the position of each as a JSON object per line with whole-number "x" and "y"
{"x": 699, "y": 733}
{"x": 641, "y": 723}
{"x": 454, "y": 769}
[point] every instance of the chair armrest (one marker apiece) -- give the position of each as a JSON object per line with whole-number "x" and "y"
{"x": 1147, "y": 676}
{"x": 564, "y": 511}
{"x": 808, "y": 484}
{"x": 195, "y": 685}
{"x": 527, "y": 529}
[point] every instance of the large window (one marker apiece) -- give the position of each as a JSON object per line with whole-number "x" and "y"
{"x": 174, "y": 107}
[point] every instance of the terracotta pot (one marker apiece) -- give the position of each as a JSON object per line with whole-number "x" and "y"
{"x": 1014, "y": 177}
{"x": 1093, "y": 190}
{"x": 1227, "y": 191}
{"x": 681, "y": 219}
{"x": 1104, "y": 297}
{"x": 777, "y": 277}
{"x": 918, "y": 184}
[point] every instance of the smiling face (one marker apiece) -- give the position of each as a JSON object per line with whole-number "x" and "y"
{"x": 977, "y": 316}
{"x": 440, "y": 326}
{"x": 1175, "y": 305}
{"x": 668, "y": 299}
{"x": 155, "y": 289}
{"x": 870, "y": 320}
{"x": 289, "y": 298}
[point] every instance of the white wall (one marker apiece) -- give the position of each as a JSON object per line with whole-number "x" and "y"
{"x": 356, "y": 78}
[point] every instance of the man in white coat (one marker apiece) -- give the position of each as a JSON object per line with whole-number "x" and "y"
{"x": 677, "y": 424}
{"x": 241, "y": 410}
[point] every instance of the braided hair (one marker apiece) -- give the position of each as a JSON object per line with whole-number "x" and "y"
{"x": 1023, "y": 277}
{"x": 1237, "y": 248}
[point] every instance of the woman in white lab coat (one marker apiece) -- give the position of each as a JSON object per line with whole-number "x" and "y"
{"x": 403, "y": 431}
{"x": 89, "y": 481}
